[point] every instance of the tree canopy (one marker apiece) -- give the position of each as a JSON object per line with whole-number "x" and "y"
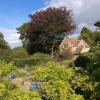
{"x": 92, "y": 38}
{"x": 97, "y": 24}
{"x": 3, "y": 43}
{"x": 45, "y": 28}
{"x": 86, "y": 34}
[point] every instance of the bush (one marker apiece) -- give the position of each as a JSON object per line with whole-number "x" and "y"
{"x": 55, "y": 78}
{"x": 41, "y": 58}
{"x": 36, "y": 59}
{"x": 68, "y": 63}
{"x": 19, "y": 53}
{"x": 2, "y": 89}
{"x": 63, "y": 82}
{"x": 18, "y": 94}
{"x": 5, "y": 54}
{"x": 82, "y": 61}
{"x": 6, "y": 68}
{"x": 95, "y": 75}
{"x": 52, "y": 71}
{"x": 24, "y": 63}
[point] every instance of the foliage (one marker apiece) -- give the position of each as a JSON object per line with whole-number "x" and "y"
{"x": 5, "y": 54}
{"x": 96, "y": 37}
{"x": 97, "y": 24}
{"x": 19, "y": 53}
{"x": 96, "y": 75}
{"x": 40, "y": 58}
{"x": 86, "y": 34}
{"x": 44, "y": 30}
{"x": 96, "y": 94}
{"x": 94, "y": 57}
{"x": 76, "y": 97}
{"x": 2, "y": 89}
{"x": 83, "y": 86}
{"x": 92, "y": 38}
{"x": 3, "y": 43}
{"x": 54, "y": 78}
{"x": 22, "y": 30}
{"x": 35, "y": 59}
{"x": 55, "y": 90}
{"x": 61, "y": 82}
{"x": 18, "y": 94}
{"x": 10, "y": 92}
{"x": 21, "y": 63}
{"x": 5, "y": 51}
{"x": 82, "y": 61}
{"x": 6, "y": 68}
{"x": 93, "y": 67}
{"x": 68, "y": 63}
{"x": 53, "y": 71}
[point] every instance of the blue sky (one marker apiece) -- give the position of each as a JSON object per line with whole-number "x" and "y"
{"x": 15, "y": 12}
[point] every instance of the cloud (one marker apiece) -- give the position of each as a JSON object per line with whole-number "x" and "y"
{"x": 86, "y": 12}
{"x": 11, "y": 37}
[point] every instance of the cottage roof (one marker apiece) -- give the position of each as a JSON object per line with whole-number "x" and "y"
{"x": 70, "y": 41}
{"x": 73, "y": 42}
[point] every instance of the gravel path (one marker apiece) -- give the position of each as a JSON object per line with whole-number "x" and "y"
{"x": 21, "y": 83}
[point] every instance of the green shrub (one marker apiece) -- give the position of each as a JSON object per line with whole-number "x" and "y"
{"x": 76, "y": 97}
{"x": 68, "y": 63}
{"x": 18, "y": 94}
{"x": 82, "y": 61}
{"x": 63, "y": 82}
{"x": 52, "y": 71}
{"x": 2, "y": 89}
{"x": 5, "y": 54}
{"x": 40, "y": 58}
{"x": 6, "y": 68}
{"x": 95, "y": 75}
{"x": 19, "y": 53}
{"x": 24, "y": 62}
{"x": 55, "y": 90}
{"x": 36, "y": 59}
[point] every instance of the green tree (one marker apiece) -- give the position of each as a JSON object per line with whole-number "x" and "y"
{"x": 86, "y": 34}
{"x": 5, "y": 51}
{"x": 44, "y": 30}
{"x": 97, "y": 24}
{"x": 3, "y": 43}
{"x": 19, "y": 53}
{"x": 96, "y": 37}
{"x": 6, "y": 54}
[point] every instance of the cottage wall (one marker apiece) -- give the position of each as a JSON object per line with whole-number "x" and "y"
{"x": 84, "y": 50}
{"x": 74, "y": 49}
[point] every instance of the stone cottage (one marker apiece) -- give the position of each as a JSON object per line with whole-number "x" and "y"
{"x": 73, "y": 46}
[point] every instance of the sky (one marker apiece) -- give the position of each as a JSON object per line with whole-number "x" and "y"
{"x": 14, "y": 13}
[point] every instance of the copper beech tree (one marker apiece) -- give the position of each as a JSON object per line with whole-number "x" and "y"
{"x": 45, "y": 29}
